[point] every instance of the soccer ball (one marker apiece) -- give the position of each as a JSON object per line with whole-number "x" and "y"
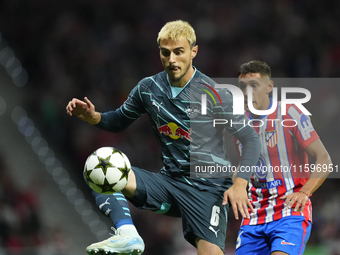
{"x": 107, "y": 170}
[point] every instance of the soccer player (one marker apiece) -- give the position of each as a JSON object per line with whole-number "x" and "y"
{"x": 172, "y": 99}
{"x": 281, "y": 221}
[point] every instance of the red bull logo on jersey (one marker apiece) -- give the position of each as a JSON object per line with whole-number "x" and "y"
{"x": 174, "y": 131}
{"x": 271, "y": 138}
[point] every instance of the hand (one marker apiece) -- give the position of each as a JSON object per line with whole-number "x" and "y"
{"x": 300, "y": 198}
{"x": 84, "y": 110}
{"x": 238, "y": 198}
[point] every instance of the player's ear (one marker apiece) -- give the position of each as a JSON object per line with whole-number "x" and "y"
{"x": 194, "y": 51}
{"x": 270, "y": 86}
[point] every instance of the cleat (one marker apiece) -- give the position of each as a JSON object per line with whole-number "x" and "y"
{"x": 119, "y": 243}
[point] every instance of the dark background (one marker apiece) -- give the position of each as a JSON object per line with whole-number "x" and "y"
{"x": 101, "y": 49}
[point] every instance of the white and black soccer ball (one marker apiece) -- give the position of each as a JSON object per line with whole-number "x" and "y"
{"x": 107, "y": 170}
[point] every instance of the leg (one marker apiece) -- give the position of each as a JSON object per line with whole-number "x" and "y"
{"x": 126, "y": 239}
{"x": 289, "y": 235}
{"x": 131, "y": 186}
{"x": 204, "y": 218}
{"x": 252, "y": 240}
{"x": 115, "y": 207}
{"x": 142, "y": 192}
{"x": 206, "y": 248}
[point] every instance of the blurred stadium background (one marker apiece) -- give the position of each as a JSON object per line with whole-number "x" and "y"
{"x": 52, "y": 51}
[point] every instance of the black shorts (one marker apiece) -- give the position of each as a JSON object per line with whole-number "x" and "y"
{"x": 202, "y": 212}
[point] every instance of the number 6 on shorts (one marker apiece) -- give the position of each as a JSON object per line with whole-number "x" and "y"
{"x": 215, "y": 216}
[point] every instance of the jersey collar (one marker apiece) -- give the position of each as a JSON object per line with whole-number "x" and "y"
{"x": 167, "y": 78}
{"x": 262, "y": 116}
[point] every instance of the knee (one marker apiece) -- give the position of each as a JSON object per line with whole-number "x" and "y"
{"x": 206, "y": 248}
{"x": 130, "y": 188}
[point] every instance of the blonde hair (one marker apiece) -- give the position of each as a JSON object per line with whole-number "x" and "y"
{"x": 177, "y": 30}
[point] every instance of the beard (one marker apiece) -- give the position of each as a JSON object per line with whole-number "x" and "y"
{"x": 174, "y": 79}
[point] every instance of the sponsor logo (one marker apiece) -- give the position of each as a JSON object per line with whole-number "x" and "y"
{"x": 119, "y": 240}
{"x": 306, "y": 124}
{"x": 260, "y": 171}
{"x": 105, "y": 203}
{"x": 286, "y": 243}
{"x": 157, "y": 105}
{"x": 213, "y": 230}
{"x": 174, "y": 131}
{"x": 192, "y": 112}
{"x": 267, "y": 185}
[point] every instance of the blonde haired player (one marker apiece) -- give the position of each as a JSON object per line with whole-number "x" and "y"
{"x": 167, "y": 98}
{"x": 178, "y": 30}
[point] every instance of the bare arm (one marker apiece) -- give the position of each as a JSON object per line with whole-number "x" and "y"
{"x": 238, "y": 198}
{"x": 319, "y": 152}
{"x": 84, "y": 110}
{"x": 316, "y": 150}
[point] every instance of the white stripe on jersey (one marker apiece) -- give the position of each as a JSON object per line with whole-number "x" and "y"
{"x": 256, "y": 205}
{"x": 264, "y": 151}
{"x": 269, "y": 178}
{"x": 271, "y": 203}
{"x": 283, "y": 154}
{"x": 286, "y": 211}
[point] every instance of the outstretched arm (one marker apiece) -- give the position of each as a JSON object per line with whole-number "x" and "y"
{"x": 322, "y": 159}
{"x": 84, "y": 110}
{"x": 113, "y": 121}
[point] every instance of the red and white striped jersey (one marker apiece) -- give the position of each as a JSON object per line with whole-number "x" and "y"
{"x": 281, "y": 168}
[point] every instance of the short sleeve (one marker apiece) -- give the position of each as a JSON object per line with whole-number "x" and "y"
{"x": 303, "y": 129}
